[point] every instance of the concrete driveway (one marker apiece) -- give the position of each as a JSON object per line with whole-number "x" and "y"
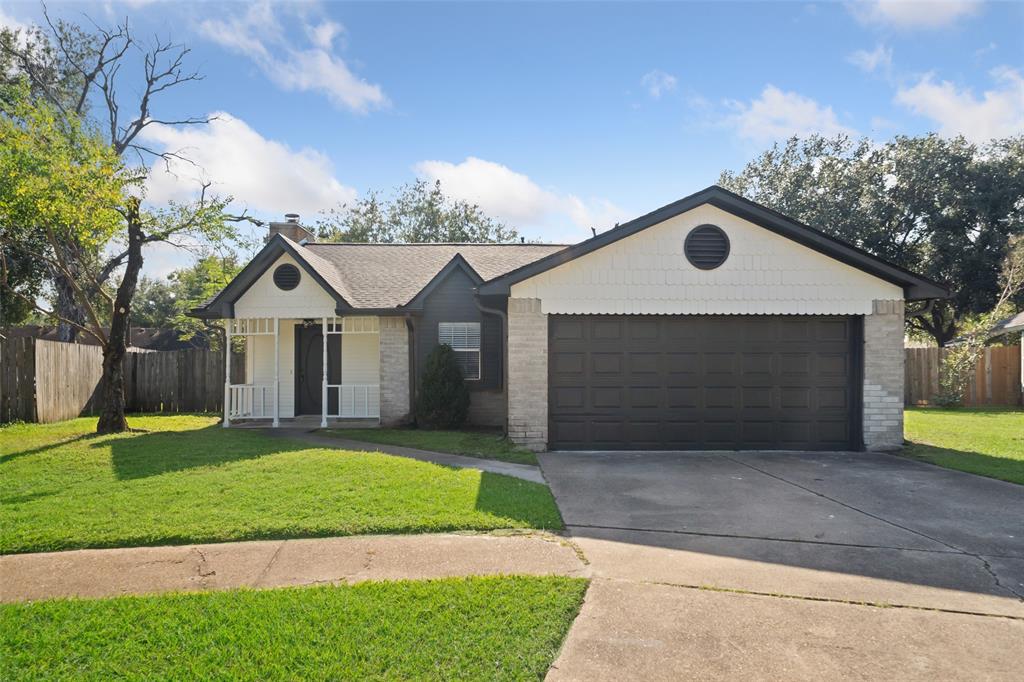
{"x": 794, "y": 566}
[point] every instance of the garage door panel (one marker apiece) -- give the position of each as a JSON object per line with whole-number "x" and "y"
{"x": 703, "y": 382}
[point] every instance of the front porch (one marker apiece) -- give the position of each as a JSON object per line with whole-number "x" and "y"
{"x": 317, "y": 371}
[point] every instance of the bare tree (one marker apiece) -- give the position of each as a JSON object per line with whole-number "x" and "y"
{"x": 79, "y": 72}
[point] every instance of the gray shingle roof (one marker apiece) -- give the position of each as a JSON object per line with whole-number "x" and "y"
{"x": 390, "y": 275}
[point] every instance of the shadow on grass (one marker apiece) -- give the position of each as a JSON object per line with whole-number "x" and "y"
{"x": 11, "y": 456}
{"x": 1002, "y": 468}
{"x": 160, "y": 452}
{"x": 524, "y": 501}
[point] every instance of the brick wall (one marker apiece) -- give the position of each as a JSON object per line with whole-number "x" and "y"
{"x": 394, "y": 371}
{"x": 527, "y": 373}
{"x": 883, "y": 376}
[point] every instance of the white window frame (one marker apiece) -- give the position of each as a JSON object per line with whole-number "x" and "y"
{"x": 459, "y": 336}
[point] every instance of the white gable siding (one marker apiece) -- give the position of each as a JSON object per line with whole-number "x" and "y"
{"x": 647, "y": 273}
{"x": 264, "y": 299}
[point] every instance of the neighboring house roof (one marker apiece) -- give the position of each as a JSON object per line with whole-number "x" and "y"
{"x": 377, "y": 276}
{"x": 915, "y": 286}
{"x": 1011, "y": 324}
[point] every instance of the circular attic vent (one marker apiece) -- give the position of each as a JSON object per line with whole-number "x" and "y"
{"x": 286, "y": 277}
{"x": 706, "y": 247}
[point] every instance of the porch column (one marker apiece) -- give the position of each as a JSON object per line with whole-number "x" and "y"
{"x": 227, "y": 374}
{"x": 277, "y": 372}
{"x": 323, "y": 385}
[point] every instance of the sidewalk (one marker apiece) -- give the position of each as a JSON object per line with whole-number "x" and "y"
{"x": 278, "y": 563}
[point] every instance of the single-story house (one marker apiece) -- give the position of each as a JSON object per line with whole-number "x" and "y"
{"x": 712, "y": 323}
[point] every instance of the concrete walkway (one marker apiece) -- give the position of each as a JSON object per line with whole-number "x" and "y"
{"x": 145, "y": 570}
{"x": 765, "y": 566}
{"x": 524, "y": 471}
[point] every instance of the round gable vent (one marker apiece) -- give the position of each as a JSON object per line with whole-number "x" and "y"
{"x": 286, "y": 277}
{"x": 706, "y": 247}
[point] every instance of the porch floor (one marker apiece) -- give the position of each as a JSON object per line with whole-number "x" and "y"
{"x": 306, "y": 421}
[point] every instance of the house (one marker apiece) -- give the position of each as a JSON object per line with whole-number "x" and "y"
{"x": 712, "y": 323}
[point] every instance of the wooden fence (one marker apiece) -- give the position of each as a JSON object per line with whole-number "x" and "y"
{"x": 996, "y": 381}
{"x": 48, "y": 381}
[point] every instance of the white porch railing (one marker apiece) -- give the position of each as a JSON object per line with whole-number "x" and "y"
{"x": 354, "y": 400}
{"x": 250, "y": 401}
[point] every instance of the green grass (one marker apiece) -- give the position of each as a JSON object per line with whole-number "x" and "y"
{"x": 185, "y": 479}
{"x": 485, "y": 628}
{"x": 469, "y": 443}
{"x": 989, "y": 442}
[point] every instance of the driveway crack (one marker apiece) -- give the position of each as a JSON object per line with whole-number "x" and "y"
{"x": 985, "y": 564}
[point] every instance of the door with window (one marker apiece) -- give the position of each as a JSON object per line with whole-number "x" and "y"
{"x": 464, "y": 339}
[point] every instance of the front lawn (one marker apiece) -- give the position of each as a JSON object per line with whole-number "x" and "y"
{"x": 468, "y": 443}
{"x": 184, "y": 479}
{"x": 487, "y": 628}
{"x": 989, "y": 442}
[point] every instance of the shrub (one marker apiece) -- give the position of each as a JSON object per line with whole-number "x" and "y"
{"x": 443, "y": 402}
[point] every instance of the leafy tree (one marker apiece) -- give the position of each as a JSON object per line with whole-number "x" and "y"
{"x": 942, "y": 207}
{"x": 960, "y": 361}
{"x": 443, "y": 401}
{"x": 419, "y": 212}
{"x": 194, "y": 285}
{"x": 154, "y": 304}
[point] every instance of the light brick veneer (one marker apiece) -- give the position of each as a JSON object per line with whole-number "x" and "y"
{"x": 883, "y": 376}
{"x": 394, "y": 371}
{"x": 527, "y": 373}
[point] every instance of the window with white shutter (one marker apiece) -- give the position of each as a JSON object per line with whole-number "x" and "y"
{"x": 464, "y": 339}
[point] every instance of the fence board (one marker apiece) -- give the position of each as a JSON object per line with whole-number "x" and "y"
{"x": 17, "y": 379}
{"x": 48, "y": 381}
{"x": 996, "y": 377}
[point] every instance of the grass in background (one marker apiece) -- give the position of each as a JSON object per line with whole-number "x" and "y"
{"x": 469, "y": 443}
{"x": 984, "y": 441}
{"x": 486, "y": 628}
{"x": 184, "y": 479}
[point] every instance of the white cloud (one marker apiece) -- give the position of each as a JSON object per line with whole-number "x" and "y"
{"x": 264, "y": 176}
{"x": 776, "y": 115}
{"x": 879, "y": 59}
{"x": 7, "y": 21}
{"x": 259, "y": 35}
{"x": 911, "y": 14}
{"x": 996, "y": 113}
{"x": 519, "y": 201}
{"x": 658, "y": 82}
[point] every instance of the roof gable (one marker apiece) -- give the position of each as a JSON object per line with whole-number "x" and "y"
{"x": 915, "y": 286}
{"x": 222, "y": 305}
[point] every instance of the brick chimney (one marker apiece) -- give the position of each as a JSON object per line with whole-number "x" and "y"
{"x": 290, "y": 228}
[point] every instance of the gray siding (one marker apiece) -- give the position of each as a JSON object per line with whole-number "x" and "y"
{"x": 453, "y": 300}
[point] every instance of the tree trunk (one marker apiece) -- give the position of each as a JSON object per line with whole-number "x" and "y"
{"x": 112, "y": 418}
{"x": 66, "y": 305}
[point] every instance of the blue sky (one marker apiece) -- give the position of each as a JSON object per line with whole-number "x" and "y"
{"x": 555, "y": 117}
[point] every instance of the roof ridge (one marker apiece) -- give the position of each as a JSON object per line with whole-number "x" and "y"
{"x": 431, "y": 244}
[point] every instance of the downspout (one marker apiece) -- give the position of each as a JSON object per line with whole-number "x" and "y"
{"x": 503, "y": 316}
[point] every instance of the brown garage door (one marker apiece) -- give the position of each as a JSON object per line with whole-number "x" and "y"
{"x": 715, "y": 382}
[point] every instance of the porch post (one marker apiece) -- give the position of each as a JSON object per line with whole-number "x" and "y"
{"x": 227, "y": 374}
{"x": 323, "y": 385}
{"x": 277, "y": 372}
